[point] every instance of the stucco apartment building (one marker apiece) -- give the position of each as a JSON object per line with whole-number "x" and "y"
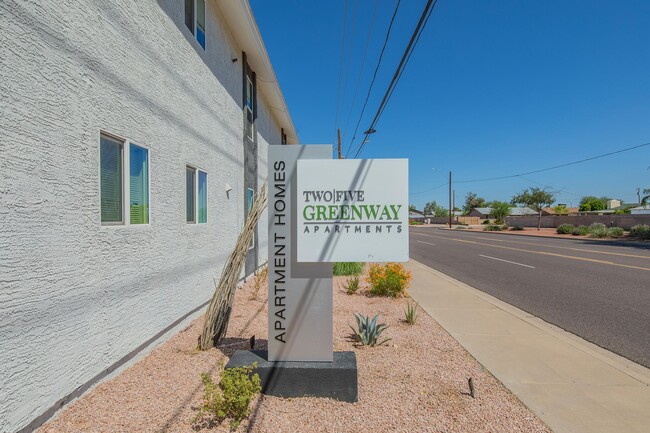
{"x": 134, "y": 136}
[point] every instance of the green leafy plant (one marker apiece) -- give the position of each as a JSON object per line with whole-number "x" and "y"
{"x": 391, "y": 279}
{"x": 597, "y": 230}
{"x": 410, "y": 314}
{"x": 352, "y": 285}
{"x": 368, "y": 330}
{"x": 517, "y": 228}
{"x": 641, "y": 231}
{"x": 565, "y": 229}
{"x": 486, "y": 222}
{"x": 495, "y": 228}
{"x": 348, "y": 268}
{"x": 581, "y": 230}
{"x": 615, "y": 232}
{"x": 231, "y": 397}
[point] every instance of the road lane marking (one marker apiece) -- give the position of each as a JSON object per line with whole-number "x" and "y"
{"x": 428, "y": 243}
{"x": 507, "y": 261}
{"x": 584, "y": 250}
{"x": 545, "y": 253}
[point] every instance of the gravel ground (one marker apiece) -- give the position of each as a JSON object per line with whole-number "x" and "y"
{"x": 415, "y": 383}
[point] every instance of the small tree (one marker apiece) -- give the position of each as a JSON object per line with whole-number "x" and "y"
{"x": 412, "y": 208}
{"x": 432, "y": 208}
{"x": 646, "y": 199}
{"x": 500, "y": 210}
{"x": 535, "y": 198}
{"x": 591, "y": 202}
{"x": 472, "y": 201}
{"x": 561, "y": 210}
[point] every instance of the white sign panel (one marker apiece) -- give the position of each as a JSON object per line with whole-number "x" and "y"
{"x": 352, "y": 210}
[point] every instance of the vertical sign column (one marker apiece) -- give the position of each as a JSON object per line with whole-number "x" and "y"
{"x": 300, "y": 294}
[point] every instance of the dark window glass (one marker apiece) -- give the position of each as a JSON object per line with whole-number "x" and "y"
{"x": 190, "y": 185}
{"x": 189, "y": 15}
{"x": 111, "y": 179}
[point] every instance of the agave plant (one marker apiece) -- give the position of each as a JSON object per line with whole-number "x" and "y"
{"x": 369, "y": 330}
{"x": 410, "y": 314}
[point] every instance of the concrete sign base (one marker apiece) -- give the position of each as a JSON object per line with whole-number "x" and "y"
{"x": 336, "y": 380}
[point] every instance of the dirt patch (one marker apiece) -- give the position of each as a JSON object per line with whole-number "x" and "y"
{"x": 417, "y": 382}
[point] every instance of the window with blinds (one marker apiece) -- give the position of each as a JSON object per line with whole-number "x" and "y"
{"x": 111, "y": 189}
{"x": 139, "y": 184}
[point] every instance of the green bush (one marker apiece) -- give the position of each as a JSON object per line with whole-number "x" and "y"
{"x": 641, "y": 231}
{"x": 615, "y": 232}
{"x": 368, "y": 331}
{"x": 486, "y": 222}
{"x": 352, "y": 285}
{"x": 565, "y": 229}
{"x": 517, "y": 228}
{"x": 598, "y": 230}
{"x": 391, "y": 279}
{"x": 494, "y": 228}
{"x": 581, "y": 230}
{"x": 348, "y": 268}
{"x": 415, "y": 223}
{"x": 231, "y": 397}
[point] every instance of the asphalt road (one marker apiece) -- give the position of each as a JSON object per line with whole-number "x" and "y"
{"x": 599, "y": 290}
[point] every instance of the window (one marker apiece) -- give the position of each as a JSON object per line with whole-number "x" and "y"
{"x": 119, "y": 187}
{"x": 139, "y": 184}
{"x": 190, "y": 176}
{"x": 196, "y": 195}
{"x": 250, "y": 196}
{"x": 195, "y": 19}
{"x": 111, "y": 189}
{"x": 203, "y": 197}
{"x": 249, "y": 108}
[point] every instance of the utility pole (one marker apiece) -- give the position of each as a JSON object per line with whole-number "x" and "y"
{"x": 450, "y": 200}
{"x": 638, "y": 195}
{"x": 339, "y": 134}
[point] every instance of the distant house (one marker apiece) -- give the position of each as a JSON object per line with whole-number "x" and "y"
{"x": 569, "y": 211}
{"x": 486, "y": 212}
{"x": 640, "y": 210}
{"x": 614, "y": 206}
{"x": 416, "y": 215}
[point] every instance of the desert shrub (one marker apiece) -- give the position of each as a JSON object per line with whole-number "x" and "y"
{"x": 348, "y": 268}
{"x": 486, "y": 222}
{"x": 368, "y": 331}
{"x": 581, "y": 230}
{"x": 461, "y": 227}
{"x": 230, "y": 398}
{"x": 565, "y": 229}
{"x": 615, "y": 232}
{"x": 498, "y": 222}
{"x": 352, "y": 285}
{"x": 391, "y": 279}
{"x": 641, "y": 231}
{"x": 494, "y": 228}
{"x": 517, "y": 228}
{"x": 597, "y": 230}
{"x": 416, "y": 223}
{"x": 410, "y": 314}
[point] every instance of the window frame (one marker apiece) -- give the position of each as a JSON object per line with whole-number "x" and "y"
{"x": 197, "y": 170}
{"x": 126, "y": 180}
{"x": 195, "y": 18}
{"x": 251, "y": 108}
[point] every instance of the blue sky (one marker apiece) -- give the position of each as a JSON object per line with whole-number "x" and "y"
{"x": 493, "y": 88}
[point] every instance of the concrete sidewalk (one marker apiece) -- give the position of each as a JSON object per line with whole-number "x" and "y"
{"x": 571, "y": 384}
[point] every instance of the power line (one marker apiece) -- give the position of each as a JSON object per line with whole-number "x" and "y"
{"x": 429, "y": 190}
{"x": 338, "y": 91}
{"x": 431, "y": 4}
{"x": 627, "y": 149}
{"x": 363, "y": 62}
{"x": 381, "y": 55}
{"x": 347, "y": 67}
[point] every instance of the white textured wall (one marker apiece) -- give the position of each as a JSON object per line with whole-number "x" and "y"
{"x": 75, "y": 297}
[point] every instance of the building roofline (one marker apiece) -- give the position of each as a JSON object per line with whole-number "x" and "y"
{"x": 241, "y": 22}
